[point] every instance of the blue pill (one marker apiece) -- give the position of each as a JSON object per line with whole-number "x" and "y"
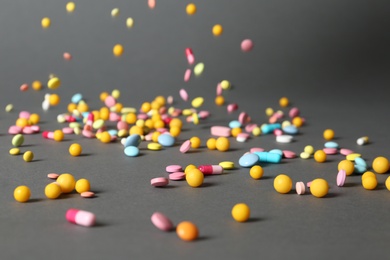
{"x": 113, "y": 132}
{"x": 269, "y": 128}
{"x": 331, "y": 145}
{"x": 269, "y": 157}
{"x": 278, "y": 151}
{"x": 131, "y": 151}
{"x": 262, "y": 156}
{"x": 234, "y": 124}
{"x": 166, "y": 140}
{"x": 290, "y": 129}
{"x": 360, "y": 169}
{"x": 133, "y": 140}
{"x": 248, "y": 160}
{"x": 361, "y": 162}
{"x": 76, "y": 98}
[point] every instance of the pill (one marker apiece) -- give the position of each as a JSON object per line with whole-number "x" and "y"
{"x": 159, "y": 182}
{"x": 220, "y": 131}
{"x": 248, "y": 160}
{"x": 87, "y": 194}
{"x": 362, "y": 140}
{"x": 282, "y": 183}
{"x": 256, "y": 172}
{"x": 53, "y": 176}
{"x": 194, "y": 177}
{"x": 328, "y": 134}
{"x": 242, "y": 137}
{"x": 187, "y": 231}
{"x": 289, "y": 154}
{"x": 347, "y": 166}
{"x": 22, "y": 193}
{"x": 256, "y": 149}
{"x": 246, "y": 45}
{"x": 222, "y": 144}
{"x": 269, "y": 128}
{"x": 28, "y": 156}
{"x": 54, "y": 83}
{"x": 319, "y": 188}
{"x": 284, "y": 138}
{"x": 243, "y": 118}
{"x": 235, "y": 124}
{"x": 197, "y": 102}
{"x": 118, "y": 50}
{"x": 269, "y": 157}
{"x": 345, "y": 151}
{"x": 131, "y": 151}
{"x": 360, "y": 161}
{"x": 278, "y": 132}
{"x": 53, "y": 190}
{"x": 70, "y": 7}
{"x": 300, "y": 188}
{"x": 210, "y": 169}
{"x": 161, "y": 221}
{"x": 219, "y": 89}
{"x": 341, "y": 176}
{"x": 166, "y": 140}
{"x": 320, "y": 156}
{"x": 14, "y": 151}
{"x": 75, "y": 149}
{"x": 191, "y": 9}
{"x": 241, "y": 212}
{"x": 177, "y": 176}
{"x": 217, "y": 30}
{"x": 331, "y": 145}
{"x": 183, "y": 94}
{"x": 67, "y": 56}
{"x": 154, "y": 146}
{"x": 231, "y": 108}
{"x": 9, "y": 107}
{"x": 129, "y": 22}
{"x": 290, "y": 129}
{"x": 198, "y": 69}
{"x": 387, "y": 183}
{"x": 359, "y": 169}
{"x": 369, "y": 183}
{"x": 190, "y": 56}
{"x": 115, "y": 12}
{"x": 185, "y": 147}
{"x": 278, "y": 151}
{"x": 353, "y": 156}
{"x": 294, "y": 112}
{"x": 173, "y": 168}
{"x": 45, "y": 22}
{"x": 133, "y": 140}
{"x": 330, "y": 150}
{"x": 227, "y": 165}
{"x": 152, "y": 4}
{"x": 18, "y": 140}
{"x": 80, "y": 217}
{"x": 187, "y": 75}
{"x": 381, "y": 164}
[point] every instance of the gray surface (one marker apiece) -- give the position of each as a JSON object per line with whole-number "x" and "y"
{"x": 331, "y": 59}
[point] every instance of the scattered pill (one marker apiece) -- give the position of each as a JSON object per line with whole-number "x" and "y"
{"x": 115, "y": 12}
{"x": 129, "y": 22}
{"x": 341, "y": 176}
{"x": 300, "y": 188}
{"x": 185, "y": 147}
{"x": 45, "y": 22}
{"x": 284, "y": 138}
{"x": 82, "y": 185}
{"x": 362, "y": 140}
{"x": 370, "y": 182}
{"x": 70, "y": 7}
{"x": 282, "y": 183}
{"x": 198, "y": 69}
{"x": 187, "y": 231}
{"x": 152, "y": 4}
{"x": 118, "y": 50}
{"x": 53, "y": 190}
{"x": 289, "y": 154}
{"x": 330, "y": 151}
{"x": 159, "y": 182}
{"x": 194, "y": 177}
{"x": 131, "y": 151}
{"x": 227, "y": 165}
{"x": 197, "y": 102}
{"x": 191, "y": 9}
{"x": 173, "y": 168}
{"x": 320, "y": 156}
{"x": 241, "y": 212}
{"x": 222, "y": 144}
{"x": 28, "y": 156}
{"x": 328, "y": 134}
{"x": 248, "y": 160}
{"x": 381, "y": 164}
{"x": 75, "y": 149}
{"x": 14, "y": 151}
{"x": 24, "y": 87}
{"x": 87, "y": 194}
{"x": 66, "y": 182}
{"x": 225, "y": 84}
{"x": 269, "y": 157}
{"x": 53, "y": 176}
{"x": 256, "y": 172}
{"x": 161, "y": 221}
{"x": 177, "y": 176}
{"x": 166, "y": 140}
{"x": 353, "y": 156}
{"x": 17, "y": 140}
{"x": 80, "y": 217}
{"x": 22, "y": 193}
{"x": 9, "y": 107}
{"x": 217, "y": 30}
{"x": 347, "y": 166}
{"x": 387, "y": 183}
{"x": 319, "y": 188}
{"x": 54, "y": 83}
{"x": 246, "y": 45}
{"x": 210, "y": 169}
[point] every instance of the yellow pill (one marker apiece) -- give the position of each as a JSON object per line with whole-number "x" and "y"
{"x": 75, "y": 149}
{"x": 369, "y": 183}
{"x": 28, "y": 156}
{"x": 328, "y": 134}
{"x": 194, "y": 178}
{"x": 381, "y": 164}
{"x": 66, "y": 182}
{"x": 387, "y": 183}
{"x": 222, "y": 144}
{"x": 54, "y": 83}
{"x": 191, "y": 9}
{"x": 34, "y": 119}
{"x": 298, "y": 121}
{"x": 116, "y": 93}
{"x": 319, "y": 188}
{"x": 283, "y": 183}
{"x": 309, "y": 149}
{"x": 46, "y": 22}
{"x": 174, "y": 131}
{"x": 227, "y": 165}
{"x": 225, "y": 84}
{"x": 283, "y": 102}
{"x": 9, "y": 107}
{"x": 176, "y": 122}
{"x": 14, "y": 151}
{"x": 190, "y": 167}
{"x": 54, "y": 99}
{"x": 82, "y": 185}
{"x": 129, "y": 22}
{"x": 256, "y": 172}
{"x": 53, "y": 190}
{"x": 21, "y": 122}
{"x": 105, "y": 137}
{"x": 211, "y": 143}
{"x": 353, "y": 156}
{"x": 195, "y": 142}
{"x": 70, "y": 7}
{"x": 22, "y": 193}
{"x": 368, "y": 174}
{"x": 115, "y": 12}
{"x": 118, "y": 50}
{"x": 217, "y": 30}
{"x": 195, "y": 118}
{"x": 154, "y": 146}
{"x": 197, "y": 102}
{"x": 219, "y": 100}
{"x": 58, "y": 135}
{"x": 256, "y": 131}
{"x": 320, "y": 156}
{"x": 36, "y": 85}
{"x": 241, "y": 212}
{"x": 347, "y": 166}
{"x": 269, "y": 111}
{"x": 235, "y": 131}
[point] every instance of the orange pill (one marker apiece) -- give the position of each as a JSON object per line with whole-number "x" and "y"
{"x": 187, "y": 231}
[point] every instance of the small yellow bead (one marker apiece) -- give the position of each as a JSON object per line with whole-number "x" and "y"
{"x": 28, "y": 156}
{"x": 66, "y": 182}
{"x": 36, "y": 85}
{"x": 256, "y": 172}
{"x": 54, "y": 99}
{"x": 118, "y": 50}
{"x": 217, "y": 30}
{"x": 381, "y": 164}
{"x": 58, "y": 135}
{"x": 70, "y": 7}
{"x": 320, "y": 156}
{"x": 46, "y": 22}
{"x": 219, "y": 100}
{"x": 75, "y": 149}
{"x": 53, "y": 190}
{"x": 195, "y": 142}
{"x": 328, "y": 134}
{"x": 22, "y": 193}
{"x": 222, "y": 144}
{"x": 211, "y": 143}
{"x": 34, "y": 118}
{"x": 283, "y": 102}
{"x": 282, "y": 183}
{"x": 191, "y": 9}
{"x": 194, "y": 177}
{"x": 82, "y": 185}
{"x": 105, "y": 137}
{"x": 54, "y": 83}
{"x": 319, "y": 188}
{"x": 241, "y": 212}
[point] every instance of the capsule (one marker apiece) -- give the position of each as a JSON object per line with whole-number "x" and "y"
{"x": 210, "y": 169}
{"x": 269, "y": 157}
{"x": 362, "y": 140}
{"x": 269, "y": 128}
{"x": 190, "y": 56}
{"x": 80, "y": 217}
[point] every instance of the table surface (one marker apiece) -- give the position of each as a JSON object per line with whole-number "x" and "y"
{"x": 330, "y": 58}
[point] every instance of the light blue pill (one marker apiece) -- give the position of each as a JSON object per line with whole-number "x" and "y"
{"x": 331, "y": 145}
{"x": 262, "y": 156}
{"x": 133, "y": 140}
{"x": 290, "y": 129}
{"x": 131, "y": 151}
{"x": 278, "y": 151}
{"x": 76, "y": 98}
{"x": 234, "y": 124}
{"x": 360, "y": 169}
{"x": 360, "y": 161}
{"x": 269, "y": 128}
{"x": 85, "y": 114}
{"x": 273, "y": 158}
{"x": 113, "y": 132}
{"x": 166, "y": 140}
{"x": 248, "y": 160}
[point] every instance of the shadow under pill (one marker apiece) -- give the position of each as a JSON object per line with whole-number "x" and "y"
{"x": 99, "y": 224}
{"x": 27, "y": 145}
{"x": 254, "y": 220}
{"x": 37, "y": 160}
{"x": 207, "y": 184}
{"x": 85, "y": 154}
{"x": 35, "y": 200}
{"x": 347, "y": 185}
{"x": 331, "y": 195}
{"x": 201, "y": 238}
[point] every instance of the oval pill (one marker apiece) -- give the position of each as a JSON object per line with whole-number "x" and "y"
{"x": 304, "y": 155}
{"x": 177, "y": 176}
{"x": 341, "y": 176}
{"x": 300, "y": 188}
{"x": 173, "y": 168}
{"x": 197, "y": 102}
{"x": 14, "y": 151}
{"x": 227, "y": 165}
{"x": 331, "y": 145}
{"x": 87, "y": 194}
{"x": 161, "y": 221}
{"x": 284, "y": 138}
{"x": 353, "y": 156}
{"x": 17, "y": 140}
{"x": 166, "y": 140}
{"x": 80, "y": 217}
{"x": 345, "y": 151}
{"x": 220, "y": 131}
{"x": 133, "y": 140}
{"x": 131, "y": 151}
{"x": 248, "y": 160}
{"x": 330, "y": 150}
{"x": 198, "y": 69}
{"x": 154, "y": 146}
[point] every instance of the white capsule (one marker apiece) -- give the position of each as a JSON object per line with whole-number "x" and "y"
{"x": 362, "y": 140}
{"x": 45, "y": 105}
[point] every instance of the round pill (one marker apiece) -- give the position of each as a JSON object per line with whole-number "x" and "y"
{"x": 185, "y": 147}
{"x": 328, "y": 134}
{"x": 309, "y": 149}
{"x": 133, "y": 140}
{"x": 347, "y": 166}
{"x": 345, "y": 151}
{"x": 53, "y": 176}
{"x": 28, "y": 156}
{"x": 241, "y": 212}
{"x": 159, "y": 182}
{"x": 211, "y": 143}
{"x": 387, "y": 183}
{"x": 369, "y": 183}
{"x": 248, "y": 160}
{"x": 227, "y": 165}
{"x": 129, "y": 22}
{"x": 283, "y": 183}
{"x": 115, "y": 12}
{"x": 194, "y": 178}
{"x": 320, "y": 156}
{"x": 9, "y": 108}
{"x": 381, "y": 164}
{"x": 45, "y": 22}
{"x": 187, "y": 231}
{"x": 53, "y": 190}
{"x": 66, "y": 182}
{"x": 368, "y": 174}
{"x": 289, "y": 154}
{"x": 70, "y": 7}
{"x": 82, "y": 185}
{"x": 177, "y": 176}
{"x": 75, "y": 149}
{"x": 173, "y": 168}
{"x": 284, "y": 138}
{"x": 131, "y": 151}
{"x": 87, "y": 194}
{"x": 300, "y": 188}
{"x": 166, "y": 140}
{"x": 319, "y": 188}
{"x": 341, "y": 175}
{"x": 191, "y": 9}
{"x": 246, "y": 45}
{"x": 217, "y": 30}
{"x": 22, "y": 193}
{"x": 189, "y": 167}
{"x": 195, "y": 142}
{"x": 17, "y": 140}
{"x": 256, "y": 172}
{"x": 154, "y": 146}
{"x": 222, "y": 144}
{"x": 161, "y": 221}
{"x": 118, "y": 50}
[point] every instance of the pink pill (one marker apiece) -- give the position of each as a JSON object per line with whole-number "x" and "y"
{"x": 122, "y": 125}
{"x": 210, "y": 169}
{"x": 278, "y": 132}
{"x": 53, "y": 176}
{"x": 88, "y": 127}
{"x": 36, "y": 128}
{"x": 183, "y": 94}
{"x": 162, "y": 130}
{"x": 24, "y": 87}
{"x": 185, "y": 147}
{"x": 149, "y": 137}
{"x": 219, "y": 89}
{"x": 67, "y": 56}
{"x": 50, "y": 135}
{"x": 294, "y": 112}
{"x": 88, "y": 134}
{"x": 242, "y": 137}
{"x": 152, "y": 4}
{"x": 87, "y": 194}
{"x": 159, "y": 182}
{"x": 169, "y": 99}
{"x": 220, "y": 131}
{"x": 300, "y": 188}
{"x": 341, "y": 176}
{"x": 231, "y": 108}
{"x": 249, "y": 127}
{"x": 330, "y": 150}
{"x": 246, "y": 45}
{"x": 256, "y": 149}
{"x": 190, "y": 56}
{"x": 27, "y": 130}
{"x": 110, "y": 101}
{"x": 114, "y": 117}
{"x": 273, "y": 119}
{"x": 80, "y": 217}
{"x": 67, "y": 130}
{"x": 142, "y": 116}
{"x": 345, "y": 151}
{"x": 187, "y": 75}
{"x": 243, "y": 118}
{"x": 161, "y": 222}
{"x": 173, "y": 168}
{"x": 24, "y": 114}
{"x": 308, "y": 184}
{"x": 204, "y": 114}
{"x": 289, "y": 154}
{"x": 177, "y": 176}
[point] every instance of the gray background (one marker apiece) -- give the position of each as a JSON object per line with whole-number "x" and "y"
{"x": 330, "y": 58}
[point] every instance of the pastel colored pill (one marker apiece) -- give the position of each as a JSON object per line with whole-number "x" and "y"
{"x": 330, "y": 151}
{"x": 14, "y": 151}
{"x": 194, "y": 178}
{"x": 159, "y": 182}
{"x": 269, "y": 128}
{"x": 115, "y": 12}
{"x": 173, "y": 168}
{"x": 241, "y": 212}
{"x": 53, "y": 190}
{"x": 220, "y": 131}
{"x": 248, "y": 160}
{"x": 328, "y": 134}
{"x": 87, "y": 194}
{"x": 154, "y": 146}
{"x": 53, "y": 176}
{"x": 45, "y": 22}
{"x": 256, "y": 172}
{"x": 235, "y": 124}
{"x": 341, "y": 176}
{"x": 198, "y": 69}
{"x": 282, "y": 183}
{"x": 133, "y": 140}
{"x": 210, "y": 169}
{"x": 191, "y": 9}
{"x": 368, "y": 174}
{"x": 231, "y": 108}
{"x": 290, "y": 129}
{"x": 17, "y": 140}
{"x": 246, "y": 45}
{"x": 227, "y": 165}
{"x": 360, "y": 161}
{"x": 54, "y": 83}
{"x": 183, "y": 94}
{"x": 152, "y": 4}
{"x": 381, "y": 164}
{"x": 319, "y": 188}
{"x": 294, "y": 112}
{"x": 82, "y": 185}
{"x": 278, "y": 151}
{"x": 9, "y": 107}
{"x": 177, "y": 176}
{"x": 353, "y": 156}
{"x": 28, "y": 156}
{"x": 197, "y": 102}
{"x": 289, "y": 154}
{"x": 284, "y": 138}
{"x": 66, "y": 182}
{"x": 256, "y": 149}
{"x": 320, "y": 156}
{"x": 345, "y": 151}
{"x": 222, "y": 144}
{"x": 225, "y": 84}
{"x": 360, "y": 169}
{"x": 309, "y": 149}
{"x": 300, "y": 188}
{"x": 67, "y": 56}
{"x": 22, "y": 193}
{"x": 80, "y": 217}
{"x": 70, "y": 7}
{"x": 166, "y": 140}
{"x": 129, "y": 22}
{"x": 269, "y": 157}
{"x": 187, "y": 231}
{"x": 161, "y": 221}
{"x": 185, "y": 147}
{"x": 242, "y": 137}
{"x": 131, "y": 151}
{"x": 190, "y": 56}
{"x": 331, "y": 145}
{"x": 362, "y": 140}
{"x": 187, "y": 75}
{"x": 217, "y": 30}
{"x": 195, "y": 142}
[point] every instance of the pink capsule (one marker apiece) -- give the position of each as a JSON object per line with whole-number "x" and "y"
{"x": 210, "y": 169}
{"x": 161, "y": 222}
{"x": 330, "y": 150}
{"x": 80, "y": 217}
{"x": 187, "y": 75}
{"x": 24, "y": 87}
{"x": 308, "y": 184}
{"x": 273, "y": 119}
{"x": 300, "y": 188}
{"x": 50, "y": 135}
{"x": 173, "y": 168}
{"x": 190, "y": 56}
{"x": 294, "y": 112}
{"x": 220, "y": 131}
{"x": 110, "y": 101}
{"x": 219, "y": 89}
{"x": 13, "y": 130}
{"x": 289, "y": 154}
{"x": 231, "y": 108}
{"x": 177, "y": 176}
{"x": 185, "y": 147}
{"x": 183, "y": 94}
{"x": 159, "y": 182}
